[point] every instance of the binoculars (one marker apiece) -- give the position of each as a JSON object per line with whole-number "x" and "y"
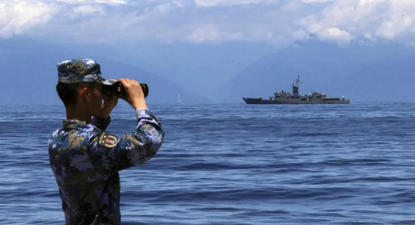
{"x": 118, "y": 90}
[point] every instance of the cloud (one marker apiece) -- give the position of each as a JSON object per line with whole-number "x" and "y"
{"x": 371, "y": 20}
{"x": 279, "y": 22}
{"x": 316, "y": 1}
{"x": 212, "y": 3}
{"x": 336, "y": 35}
{"x": 22, "y": 17}
{"x": 88, "y": 9}
{"x": 108, "y": 2}
{"x": 210, "y": 33}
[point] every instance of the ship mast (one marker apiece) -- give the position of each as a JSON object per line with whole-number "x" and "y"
{"x": 296, "y": 85}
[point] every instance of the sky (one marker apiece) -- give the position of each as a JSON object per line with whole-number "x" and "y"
{"x": 275, "y": 22}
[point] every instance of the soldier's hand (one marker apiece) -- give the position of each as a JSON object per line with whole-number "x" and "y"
{"x": 135, "y": 96}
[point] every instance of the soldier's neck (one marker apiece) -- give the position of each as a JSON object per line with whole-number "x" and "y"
{"x": 78, "y": 113}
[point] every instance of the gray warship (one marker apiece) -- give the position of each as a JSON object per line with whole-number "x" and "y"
{"x": 295, "y": 98}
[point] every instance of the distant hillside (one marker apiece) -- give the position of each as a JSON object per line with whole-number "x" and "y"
{"x": 388, "y": 79}
{"x": 320, "y": 65}
{"x": 201, "y": 68}
{"x": 28, "y": 75}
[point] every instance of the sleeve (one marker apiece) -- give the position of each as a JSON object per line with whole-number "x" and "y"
{"x": 101, "y": 123}
{"x": 136, "y": 148}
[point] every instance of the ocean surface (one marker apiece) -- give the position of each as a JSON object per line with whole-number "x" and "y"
{"x": 233, "y": 164}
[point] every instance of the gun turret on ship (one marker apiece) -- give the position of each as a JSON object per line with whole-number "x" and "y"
{"x": 295, "y": 98}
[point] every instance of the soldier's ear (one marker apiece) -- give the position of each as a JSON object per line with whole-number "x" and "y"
{"x": 84, "y": 92}
{"x": 87, "y": 95}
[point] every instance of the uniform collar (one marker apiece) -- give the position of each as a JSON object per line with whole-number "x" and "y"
{"x": 74, "y": 124}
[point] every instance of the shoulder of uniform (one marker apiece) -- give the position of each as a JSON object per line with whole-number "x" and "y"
{"x": 107, "y": 140}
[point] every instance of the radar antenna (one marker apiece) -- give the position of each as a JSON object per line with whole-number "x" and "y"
{"x": 296, "y": 85}
{"x": 297, "y": 81}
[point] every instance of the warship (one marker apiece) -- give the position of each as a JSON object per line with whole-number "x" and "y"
{"x": 295, "y": 98}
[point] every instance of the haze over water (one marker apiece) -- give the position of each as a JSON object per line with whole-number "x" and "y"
{"x": 233, "y": 164}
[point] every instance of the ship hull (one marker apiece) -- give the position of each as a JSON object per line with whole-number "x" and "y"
{"x": 297, "y": 101}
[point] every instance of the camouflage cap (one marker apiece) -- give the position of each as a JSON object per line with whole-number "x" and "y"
{"x": 81, "y": 71}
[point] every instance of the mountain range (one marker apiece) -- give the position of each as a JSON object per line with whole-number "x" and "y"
{"x": 361, "y": 72}
{"x": 29, "y": 74}
{"x": 215, "y": 73}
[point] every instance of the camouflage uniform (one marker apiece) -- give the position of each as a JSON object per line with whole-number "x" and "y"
{"x": 85, "y": 160}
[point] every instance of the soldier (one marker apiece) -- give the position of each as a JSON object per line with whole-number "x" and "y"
{"x": 84, "y": 158}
